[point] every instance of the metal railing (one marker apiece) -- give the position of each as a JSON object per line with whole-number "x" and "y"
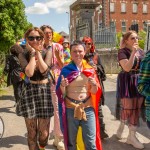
{"x": 105, "y": 37}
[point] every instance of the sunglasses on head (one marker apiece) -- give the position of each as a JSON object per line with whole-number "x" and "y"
{"x": 32, "y": 38}
{"x": 134, "y": 38}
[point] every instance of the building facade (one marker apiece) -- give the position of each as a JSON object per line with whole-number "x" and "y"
{"x": 87, "y": 16}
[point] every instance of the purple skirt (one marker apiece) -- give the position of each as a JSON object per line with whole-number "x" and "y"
{"x": 127, "y": 85}
{"x": 127, "y": 90}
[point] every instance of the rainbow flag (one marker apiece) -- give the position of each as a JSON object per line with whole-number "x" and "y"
{"x": 24, "y": 77}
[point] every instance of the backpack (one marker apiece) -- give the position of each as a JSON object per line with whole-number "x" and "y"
{"x": 13, "y": 69}
{"x": 100, "y": 70}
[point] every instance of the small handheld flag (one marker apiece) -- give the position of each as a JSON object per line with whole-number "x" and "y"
{"x": 24, "y": 77}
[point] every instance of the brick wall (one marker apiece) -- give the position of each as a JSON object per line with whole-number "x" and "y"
{"x": 128, "y": 16}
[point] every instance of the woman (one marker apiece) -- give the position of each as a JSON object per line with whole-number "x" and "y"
{"x": 35, "y": 104}
{"x": 94, "y": 59}
{"x": 78, "y": 92}
{"x": 56, "y": 65}
{"x": 131, "y": 101}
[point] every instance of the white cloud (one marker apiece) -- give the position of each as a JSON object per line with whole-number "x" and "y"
{"x": 43, "y": 8}
{"x": 37, "y": 8}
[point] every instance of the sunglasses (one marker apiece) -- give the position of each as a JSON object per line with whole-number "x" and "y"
{"x": 32, "y": 38}
{"x": 134, "y": 38}
{"x": 87, "y": 43}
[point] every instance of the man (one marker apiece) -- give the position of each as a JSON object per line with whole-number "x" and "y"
{"x": 56, "y": 51}
{"x": 78, "y": 93}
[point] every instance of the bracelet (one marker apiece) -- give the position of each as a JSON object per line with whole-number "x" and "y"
{"x": 32, "y": 54}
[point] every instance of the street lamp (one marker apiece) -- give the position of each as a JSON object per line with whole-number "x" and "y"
{"x": 68, "y": 21}
{"x": 99, "y": 10}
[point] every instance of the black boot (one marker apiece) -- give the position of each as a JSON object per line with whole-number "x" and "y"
{"x": 103, "y": 134}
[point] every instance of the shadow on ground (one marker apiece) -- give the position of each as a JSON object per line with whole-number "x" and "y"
{"x": 110, "y": 102}
{"x": 113, "y": 141}
{"x": 7, "y": 110}
{"x": 8, "y": 142}
{"x": 7, "y": 97}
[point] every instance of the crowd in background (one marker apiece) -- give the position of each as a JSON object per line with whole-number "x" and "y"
{"x": 65, "y": 80}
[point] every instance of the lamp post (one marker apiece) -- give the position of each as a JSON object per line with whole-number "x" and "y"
{"x": 68, "y": 21}
{"x": 99, "y": 10}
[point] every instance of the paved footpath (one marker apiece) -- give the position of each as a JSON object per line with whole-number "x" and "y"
{"x": 15, "y": 131}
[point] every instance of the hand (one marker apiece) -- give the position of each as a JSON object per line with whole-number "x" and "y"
{"x": 31, "y": 49}
{"x": 64, "y": 81}
{"x": 57, "y": 51}
{"x": 92, "y": 81}
{"x": 135, "y": 47}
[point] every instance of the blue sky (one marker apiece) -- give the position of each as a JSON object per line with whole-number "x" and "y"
{"x": 49, "y": 12}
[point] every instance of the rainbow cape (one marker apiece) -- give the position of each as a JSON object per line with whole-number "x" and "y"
{"x": 71, "y": 72}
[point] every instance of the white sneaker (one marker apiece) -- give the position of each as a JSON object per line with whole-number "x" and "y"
{"x": 132, "y": 139}
{"x": 60, "y": 146}
{"x": 120, "y": 130}
{"x": 58, "y": 143}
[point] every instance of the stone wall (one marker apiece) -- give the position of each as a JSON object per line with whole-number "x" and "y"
{"x": 109, "y": 61}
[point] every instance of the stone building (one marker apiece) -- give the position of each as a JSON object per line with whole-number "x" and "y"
{"x": 87, "y": 16}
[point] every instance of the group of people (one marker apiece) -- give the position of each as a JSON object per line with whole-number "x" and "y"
{"x": 66, "y": 81}
{"x": 57, "y": 80}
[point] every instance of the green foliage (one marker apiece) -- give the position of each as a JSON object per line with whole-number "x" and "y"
{"x": 2, "y": 78}
{"x": 13, "y": 23}
{"x": 142, "y": 40}
{"x": 119, "y": 35}
{"x": 1, "y": 71}
{"x": 141, "y": 34}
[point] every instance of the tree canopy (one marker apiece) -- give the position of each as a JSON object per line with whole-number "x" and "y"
{"x": 13, "y": 23}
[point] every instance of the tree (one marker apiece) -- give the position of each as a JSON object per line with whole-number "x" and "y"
{"x": 13, "y": 23}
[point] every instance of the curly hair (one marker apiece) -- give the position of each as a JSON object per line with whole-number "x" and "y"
{"x": 87, "y": 39}
{"x": 43, "y": 27}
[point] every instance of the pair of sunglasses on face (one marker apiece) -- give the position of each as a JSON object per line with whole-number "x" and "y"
{"x": 87, "y": 43}
{"x": 32, "y": 38}
{"x": 135, "y": 38}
